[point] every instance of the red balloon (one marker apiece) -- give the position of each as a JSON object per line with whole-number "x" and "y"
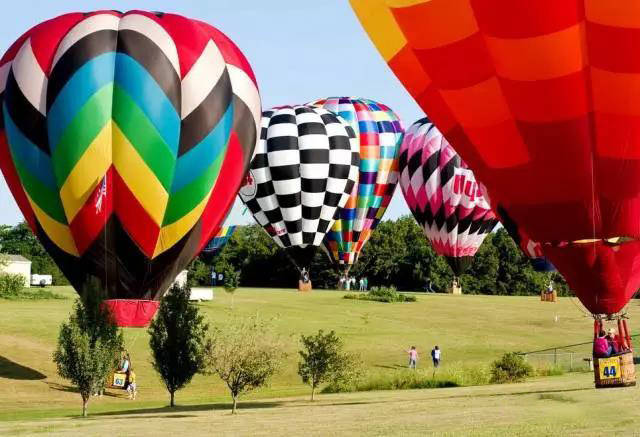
{"x": 537, "y": 97}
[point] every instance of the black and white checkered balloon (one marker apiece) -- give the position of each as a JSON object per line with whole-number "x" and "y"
{"x": 303, "y": 170}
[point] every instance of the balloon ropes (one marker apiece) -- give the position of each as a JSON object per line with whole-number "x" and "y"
{"x": 379, "y": 132}
{"x": 535, "y": 97}
{"x": 304, "y": 169}
{"x": 124, "y": 140}
{"x": 444, "y": 196}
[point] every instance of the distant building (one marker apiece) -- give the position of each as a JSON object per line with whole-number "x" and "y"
{"x": 17, "y": 265}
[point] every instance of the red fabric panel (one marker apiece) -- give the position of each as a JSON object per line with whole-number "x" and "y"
{"x": 228, "y": 182}
{"x": 134, "y": 218}
{"x": 604, "y": 277}
{"x": 90, "y": 221}
{"x": 132, "y": 313}
{"x": 526, "y": 18}
{"x": 46, "y": 37}
{"x": 458, "y": 65}
{"x": 609, "y": 48}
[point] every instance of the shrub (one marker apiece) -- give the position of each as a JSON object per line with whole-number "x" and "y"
{"x": 382, "y": 294}
{"x": 510, "y": 368}
{"x": 550, "y": 371}
{"x": 10, "y": 285}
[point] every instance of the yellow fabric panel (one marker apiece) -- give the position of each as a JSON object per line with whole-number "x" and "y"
{"x": 87, "y": 174}
{"x": 618, "y": 13}
{"x": 57, "y": 232}
{"x": 142, "y": 182}
{"x": 542, "y": 57}
{"x": 378, "y": 21}
{"x": 171, "y": 234}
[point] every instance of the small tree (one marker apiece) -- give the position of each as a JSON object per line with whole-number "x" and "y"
{"x": 245, "y": 355}
{"x": 88, "y": 346}
{"x": 231, "y": 279}
{"x": 178, "y": 340}
{"x": 322, "y": 359}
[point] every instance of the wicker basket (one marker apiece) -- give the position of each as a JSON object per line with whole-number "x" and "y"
{"x": 549, "y": 297}
{"x": 625, "y": 371}
{"x": 304, "y": 286}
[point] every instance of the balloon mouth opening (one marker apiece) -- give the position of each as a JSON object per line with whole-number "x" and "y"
{"x": 611, "y": 242}
{"x": 132, "y": 313}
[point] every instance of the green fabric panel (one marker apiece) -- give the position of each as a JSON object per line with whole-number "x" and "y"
{"x": 144, "y": 137}
{"x": 183, "y": 201}
{"x": 81, "y": 132}
{"x": 48, "y": 200}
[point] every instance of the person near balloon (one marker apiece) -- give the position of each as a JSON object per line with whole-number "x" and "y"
{"x": 304, "y": 275}
{"x": 353, "y": 283}
{"x": 613, "y": 340}
{"x": 413, "y": 357}
{"x": 347, "y": 283}
{"x": 366, "y": 284}
{"x": 435, "y": 356}
{"x": 132, "y": 387}
{"x": 361, "y": 284}
{"x": 601, "y": 347}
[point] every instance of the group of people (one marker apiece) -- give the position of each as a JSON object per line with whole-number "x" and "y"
{"x": 608, "y": 343}
{"x": 436, "y": 353}
{"x": 349, "y": 283}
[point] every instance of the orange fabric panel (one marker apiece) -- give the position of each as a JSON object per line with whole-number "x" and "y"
{"x": 407, "y": 67}
{"x": 436, "y": 16}
{"x": 482, "y": 104}
{"x": 542, "y": 57}
{"x": 615, "y": 93}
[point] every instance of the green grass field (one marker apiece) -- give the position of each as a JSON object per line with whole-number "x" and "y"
{"x": 471, "y": 331}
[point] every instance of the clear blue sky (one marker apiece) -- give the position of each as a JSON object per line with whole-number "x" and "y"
{"x": 300, "y": 50}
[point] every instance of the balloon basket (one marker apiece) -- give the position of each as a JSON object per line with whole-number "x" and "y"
{"x": 615, "y": 371}
{"x": 304, "y": 286}
{"x": 454, "y": 289}
{"x": 545, "y": 296}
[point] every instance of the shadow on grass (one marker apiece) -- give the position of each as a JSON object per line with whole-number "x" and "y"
{"x": 392, "y": 366}
{"x": 191, "y": 408}
{"x": 517, "y": 393}
{"x": 12, "y": 370}
{"x": 69, "y": 389}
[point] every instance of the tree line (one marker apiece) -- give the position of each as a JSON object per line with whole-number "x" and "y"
{"x": 397, "y": 254}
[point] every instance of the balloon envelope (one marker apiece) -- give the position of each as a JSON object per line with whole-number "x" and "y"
{"x": 443, "y": 195}
{"x": 536, "y": 97}
{"x": 379, "y": 133}
{"x": 124, "y": 139}
{"x": 304, "y": 168}
{"x": 220, "y": 239}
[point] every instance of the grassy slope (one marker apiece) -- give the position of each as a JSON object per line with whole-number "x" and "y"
{"x": 469, "y": 329}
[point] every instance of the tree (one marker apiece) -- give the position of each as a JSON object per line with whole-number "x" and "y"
{"x": 178, "y": 340}
{"x": 322, "y": 359}
{"x": 245, "y": 355}
{"x": 88, "y": 345}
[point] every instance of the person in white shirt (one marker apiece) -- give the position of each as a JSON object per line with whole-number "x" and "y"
{"x": 435, "y": 355}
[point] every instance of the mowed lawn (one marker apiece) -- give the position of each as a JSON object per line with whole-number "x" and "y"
{"x": 471, "y": 331}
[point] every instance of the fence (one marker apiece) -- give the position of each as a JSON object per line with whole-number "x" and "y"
{"x": 572, "y": 358}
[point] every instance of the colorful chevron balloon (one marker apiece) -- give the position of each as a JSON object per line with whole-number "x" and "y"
{"x": 124, "y": 140}
{"x": 443, "y": 195}
{"x": 379, "y": 132}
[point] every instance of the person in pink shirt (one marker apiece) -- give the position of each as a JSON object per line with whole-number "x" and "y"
{"x": 413, "y": 357}
{"x": 601, "y": 347}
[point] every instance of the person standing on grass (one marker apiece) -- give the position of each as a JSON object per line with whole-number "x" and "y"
{"x": 413, "y": 357}
{"x": 366, "y": 284}
{"x": 132, "y": 388}
{"x": 435, "y": 356}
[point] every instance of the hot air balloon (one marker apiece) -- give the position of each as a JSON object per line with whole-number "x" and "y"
{"x": 537, "y": 97}
{"x": 124, "y": 139}
{"x": 379, "y": 132}
{"x": 304, "y": 168}
{"x": 444, "y": 196}
{"x": 220, "y": 239}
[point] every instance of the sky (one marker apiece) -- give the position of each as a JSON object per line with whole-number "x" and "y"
{"x": 300, "y": 50}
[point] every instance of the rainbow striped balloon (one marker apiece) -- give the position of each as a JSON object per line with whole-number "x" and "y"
{"x": 220, "y": 240}
{"x": 124, "y": 140}
{"x": 380, "y": 133}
